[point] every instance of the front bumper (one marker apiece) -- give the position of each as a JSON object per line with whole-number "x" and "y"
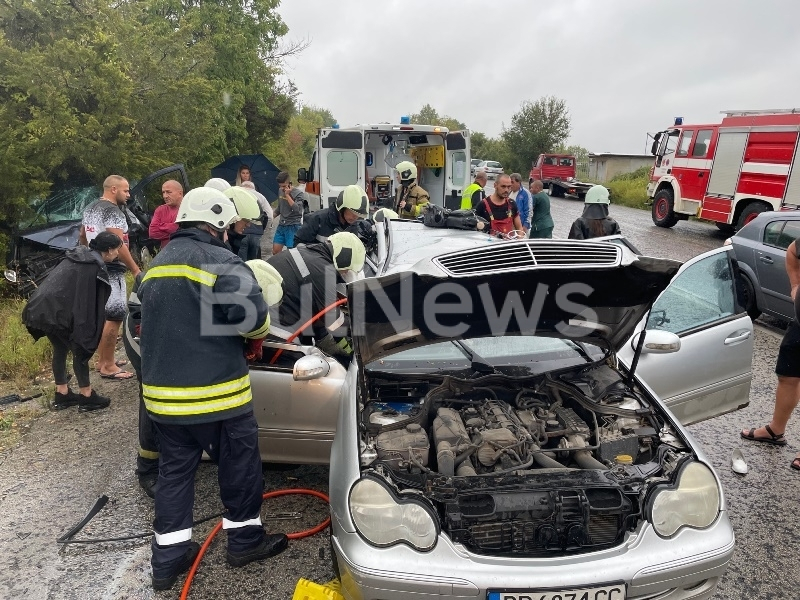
{"x": 688, "y": 566}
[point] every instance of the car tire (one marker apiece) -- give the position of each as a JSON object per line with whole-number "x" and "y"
{"x": 747, "y": 296}
{"x": 749, "y": 213}
{"x": 663, "y": 211}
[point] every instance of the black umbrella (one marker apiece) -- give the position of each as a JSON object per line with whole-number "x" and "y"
{"x": 262, "y": 172}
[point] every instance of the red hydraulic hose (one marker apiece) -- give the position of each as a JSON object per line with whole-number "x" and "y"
{"x": 292, "y": 536}
{"x": 306, "y": 324}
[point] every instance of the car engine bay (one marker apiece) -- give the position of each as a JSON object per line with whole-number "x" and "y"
{"x": 558, "y": 463}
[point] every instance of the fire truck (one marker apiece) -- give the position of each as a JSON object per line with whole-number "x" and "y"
{"x": 367, "y": 155}
{"x": 728, "y": 172}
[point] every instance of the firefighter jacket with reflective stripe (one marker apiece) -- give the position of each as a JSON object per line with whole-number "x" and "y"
{"x": 416, "y": 199}
{"x": 319, "y": 226}
{"x": 198, "y": 301}
{"x": 309, "y": 285}
{"x": 468, "y": 199}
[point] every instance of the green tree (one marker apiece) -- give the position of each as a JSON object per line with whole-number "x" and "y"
{"x": 428, "y": 115}
{"x": 298, "y": 142}
{"x": 486, "y": 148}
{"x": 537, "y": 127}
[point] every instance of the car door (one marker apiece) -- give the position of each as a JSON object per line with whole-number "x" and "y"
{"x": 296, "y": 419}
{"x": 711, "y": 372}
{"x": 770, "y": 262}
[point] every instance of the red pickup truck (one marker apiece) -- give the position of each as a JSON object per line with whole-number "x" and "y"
{"x": 557, "y": 172}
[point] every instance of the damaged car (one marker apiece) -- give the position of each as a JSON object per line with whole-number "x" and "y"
{"x": 39, "y": 243}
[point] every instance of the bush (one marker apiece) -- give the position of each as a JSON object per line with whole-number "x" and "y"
{"x": 20, "y": 358}
{"x": 630, "y": 189}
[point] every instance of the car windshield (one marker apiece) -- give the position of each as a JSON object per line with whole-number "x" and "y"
{"x": 66, "y": 205}
{"x": 511, "y": 355}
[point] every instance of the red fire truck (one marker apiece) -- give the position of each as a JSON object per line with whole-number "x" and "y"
{"x": 726, "y": 173}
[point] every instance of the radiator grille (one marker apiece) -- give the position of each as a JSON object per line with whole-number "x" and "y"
{"x": 518, "y": 255}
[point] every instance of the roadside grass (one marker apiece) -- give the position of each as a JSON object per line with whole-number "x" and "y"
{"x": 630, "y": 189}
{"x": 21, "y": 359}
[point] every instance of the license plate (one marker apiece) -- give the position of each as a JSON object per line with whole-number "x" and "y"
{"x": 609, "y": 592}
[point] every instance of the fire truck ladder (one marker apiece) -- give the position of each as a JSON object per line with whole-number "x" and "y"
{"x": 769, "y": 111}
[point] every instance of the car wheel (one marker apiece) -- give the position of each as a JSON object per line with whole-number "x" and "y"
{"x": 749, "y": 213}
{"x": 747, "y": 295}
{"x": 663, "y": 212}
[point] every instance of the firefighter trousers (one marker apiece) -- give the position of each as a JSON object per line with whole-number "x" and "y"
{"x": 233, "y": 445}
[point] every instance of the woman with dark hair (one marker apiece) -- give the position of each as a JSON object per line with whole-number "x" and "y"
{"x": 69, "y": 308}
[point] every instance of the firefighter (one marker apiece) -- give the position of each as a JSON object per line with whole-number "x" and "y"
{"x": 384, "y": 214}
{"x": 310, "y": 277}
{"x": 411, "y": 198}
{"x": 594, "y": 222}
{"x": 244, "y": 236}
{"x": 200, "y": 303}
{"x": 351, "y": 205}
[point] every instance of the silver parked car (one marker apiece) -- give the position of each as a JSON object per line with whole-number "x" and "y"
{"x": 491, "y": 167}
{"x": 760, "y": 248}
{"x": 504, "y": 429}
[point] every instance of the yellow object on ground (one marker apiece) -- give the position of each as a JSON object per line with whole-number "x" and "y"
{"x": 308, "y": 590}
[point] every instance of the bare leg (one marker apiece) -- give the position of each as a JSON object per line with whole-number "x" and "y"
{"x": 786, "y": 399}
{"x": 105, "y": 351}
{"x": 276, "y": 248}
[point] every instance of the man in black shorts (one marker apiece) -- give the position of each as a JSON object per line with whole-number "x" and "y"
{"x": 787, "y": 369}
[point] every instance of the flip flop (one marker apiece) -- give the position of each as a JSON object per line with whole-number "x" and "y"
{"x": 796, "y": 464}
{"x": 119, "y": 375}
{"x": 776, "y": 439}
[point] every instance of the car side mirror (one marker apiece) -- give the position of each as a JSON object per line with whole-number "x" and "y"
{"x": 657, "y": 342}
{"x": 310, "y": 367}
{"x": 302, "y": 174}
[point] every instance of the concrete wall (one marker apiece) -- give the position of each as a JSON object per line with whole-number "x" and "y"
{"x": 603, "y": 167}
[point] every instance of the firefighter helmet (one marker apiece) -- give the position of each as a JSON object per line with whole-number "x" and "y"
{"x": 354, "y": 198}
{"x": 269, "y": 279}
{"x": 407, "y": 171}
{"x": 384, "y": 214}
{"x": 597, "y": 194}
{"x": 217, "y": 183}
{"x": 207, "y": 205}
{"x": 245, "y": 203}
{"x": 348, "y": 251}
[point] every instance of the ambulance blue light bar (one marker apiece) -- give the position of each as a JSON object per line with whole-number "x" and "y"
{"x": 405, "y": 120}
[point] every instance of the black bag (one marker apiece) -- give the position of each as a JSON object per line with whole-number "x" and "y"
{"x": 436, "y": 216}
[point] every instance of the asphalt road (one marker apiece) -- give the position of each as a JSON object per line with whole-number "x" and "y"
{"x": 69, "y": 459}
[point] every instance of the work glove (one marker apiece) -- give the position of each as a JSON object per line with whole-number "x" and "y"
{"x": 340, "y": 348}
{"x": 253, "y": 349}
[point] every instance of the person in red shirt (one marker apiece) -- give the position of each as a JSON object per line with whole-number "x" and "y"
{"x": 500, "y": 210}
{"x": 163, "y": 223}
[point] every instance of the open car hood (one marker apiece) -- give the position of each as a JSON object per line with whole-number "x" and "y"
{"x": 594, "y": 292}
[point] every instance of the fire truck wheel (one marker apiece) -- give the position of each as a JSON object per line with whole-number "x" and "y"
{"x": 663, "y": 209}
{"x": 750, "y": 212}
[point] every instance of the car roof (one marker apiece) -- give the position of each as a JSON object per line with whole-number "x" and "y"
{"x": 752, "y": 231}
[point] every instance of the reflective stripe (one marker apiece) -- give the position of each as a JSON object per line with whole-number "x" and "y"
{"x": 196, "y": 393}
{"x": 337, "y": 323}
{"x": 197, "y": 408}
{"x": 301, "y": 264}
{"x": 226, "y": 524}
{"x": 260, "y": 332}
{"x": 148, "y": 454}
{"x": 198, "y": 275}
{"x": 322, "y": 238}
{"x": 345, "y": 345}
{"x": 174, "y": 537}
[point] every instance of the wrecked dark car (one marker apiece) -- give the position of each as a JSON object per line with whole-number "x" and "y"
{"x": 39, "y": 243}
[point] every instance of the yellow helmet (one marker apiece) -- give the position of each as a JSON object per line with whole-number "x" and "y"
{"x": 407, "y": 170}
{"x": 348, "y": 251}
{"x": 384, "y": 214}
{"x": 269, "y": 280}
{"x": 354, "y": 198}
{"x": 245, "y": 203}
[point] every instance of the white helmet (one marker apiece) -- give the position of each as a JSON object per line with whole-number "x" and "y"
{"x": 384, "y": 214}
{"x": 207, "y": 205}
{"x": 217, "y": 183}
{"x": 407, "y": 171}
{"x": 246, "y": 204}
{"x": 348, "y": 251}
{"x": 269, "y": 279}
{"x": 354, "y": 198}
{"x": 597, "y": 194}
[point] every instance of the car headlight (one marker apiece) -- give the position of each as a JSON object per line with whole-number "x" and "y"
{"x": 384, "y": 519}
{"x": 693, "y": 501}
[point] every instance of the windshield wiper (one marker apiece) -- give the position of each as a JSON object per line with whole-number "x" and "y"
{"x": 478, "y": 363}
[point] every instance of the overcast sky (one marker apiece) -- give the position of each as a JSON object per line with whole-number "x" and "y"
{"x": 624, "y": 67}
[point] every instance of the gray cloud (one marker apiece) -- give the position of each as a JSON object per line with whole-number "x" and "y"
{"x": 624, "y": 67}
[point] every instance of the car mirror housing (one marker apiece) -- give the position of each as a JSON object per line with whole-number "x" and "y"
{"x": 658, "y": 342}
{"x": 310, "y": 367}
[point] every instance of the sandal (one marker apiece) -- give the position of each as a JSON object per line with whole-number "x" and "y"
{"x": 119, "y": 375}
{"x": 774, "y": 439}
{"x": 796, "y": 464}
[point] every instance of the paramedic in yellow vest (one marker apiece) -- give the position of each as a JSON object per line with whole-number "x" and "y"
{"x": 203, "y": 317}
{"x": 474, "y": 193}
{"x": 411, "y": 198}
